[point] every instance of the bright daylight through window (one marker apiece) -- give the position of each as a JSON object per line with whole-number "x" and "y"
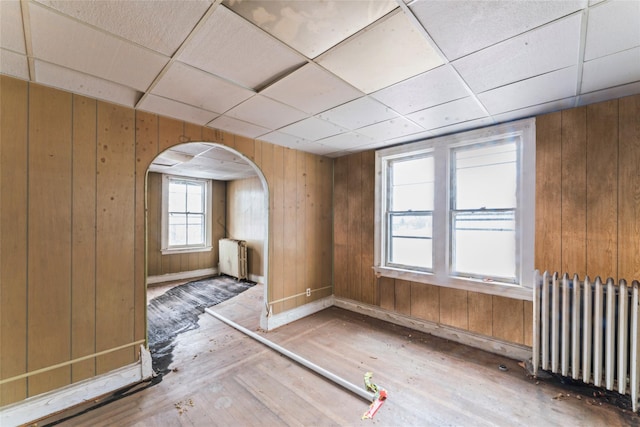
{"x": 185, "y": 214}
{"x": 458, "y": 210}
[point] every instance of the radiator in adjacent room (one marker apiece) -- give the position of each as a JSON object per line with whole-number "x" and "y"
{"x": 233, "y": 258}
{"x": 587, "y": 330}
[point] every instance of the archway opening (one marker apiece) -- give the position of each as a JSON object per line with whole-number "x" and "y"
{"x": 204, "y": 203}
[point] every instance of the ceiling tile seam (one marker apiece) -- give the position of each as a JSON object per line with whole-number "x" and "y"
{"x": 96, "y": 28}
{"x": 358, "y": 33}
{"x": 528, "y": 78}
{"x": 581, "y": 51}
{"x": 613, "y": 53}
{"x": 185, "y": 104}
{"x": 416, "y": 22}
{"x": 179, "y": 50}
{"x": 28, "y": 44}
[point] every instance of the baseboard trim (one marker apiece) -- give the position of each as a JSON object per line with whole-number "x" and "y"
{"x": 44, "y": 405}
{"x": 169, "y": 277}
{"x": 492, "y": 345}
{"x": 255, "y": 278}
{"x": 276, "y": 320}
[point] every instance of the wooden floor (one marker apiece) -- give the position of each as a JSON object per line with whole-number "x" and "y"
{"x": 221, "y": 377}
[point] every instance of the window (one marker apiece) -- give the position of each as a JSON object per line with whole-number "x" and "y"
{"x": 185, "y": 214}
{"x": 458, "y": 210}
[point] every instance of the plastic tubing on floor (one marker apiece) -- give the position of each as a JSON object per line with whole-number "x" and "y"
{"x": 359, "y": 391}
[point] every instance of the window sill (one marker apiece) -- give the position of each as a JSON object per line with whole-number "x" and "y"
{"x": 473, "y": 285}
{"x": 185, "y": 250}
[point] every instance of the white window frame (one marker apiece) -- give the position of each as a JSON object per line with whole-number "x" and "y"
{"x": 525, "y": 213}
{"x": 166, "y": 249}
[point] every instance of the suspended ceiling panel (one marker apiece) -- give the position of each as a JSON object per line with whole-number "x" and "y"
{"x": 266, "y": 112}
{"x": 387, "y": 52}
{"x": 359, "y": 113}
{"x": 425, "y": 90}
{"x": 199, "y": 89}
{"x": 621, "y": 16}
{"x": 311, "y": 27}
{"x": 230, "y": 47}
{"x": 138, "y": 20}
{"x": 311, "y": 89}
{"x": 463, "y": 27}
{"x": 381, "y": 68}
{"x": 170, "y": 108}
{"x": 548, "y": 48}
{"x": 84, "y": 84}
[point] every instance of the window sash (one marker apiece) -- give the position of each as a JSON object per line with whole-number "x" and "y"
{"x": 409, "y": 243}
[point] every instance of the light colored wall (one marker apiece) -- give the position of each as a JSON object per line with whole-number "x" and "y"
{"x": 246, "y": 219}
{"x": 72, "y": 230}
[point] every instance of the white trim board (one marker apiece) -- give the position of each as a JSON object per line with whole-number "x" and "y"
{"x": 274, "y": 321}
{"x": 492, "y": 345}
{"x": 37, "y": 407}
{"x": 170, "y": 277}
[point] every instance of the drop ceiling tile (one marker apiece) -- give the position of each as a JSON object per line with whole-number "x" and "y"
{"x": 359, "y": 113}
{"x": 312, "y": 129}
{"x": 139, "y": 21}
{"x": 536, "y": 110}
{"x": 238, "y": 127}
{"x": 422, "y": 91}
{"x": 536, "y": 52}
{"x": 624, "y": 17}
{"x": 200, "y": 89}
{"x": 14, "y": 64}
{"x": 610, "y": 93}
{"x": 460, "y": 28}
{"x": 84, "y": 84}
{"x": 175, "y": 109}
{"x": 232, "y": 48}
{"x": 346, "y": 140}
{"x": 194, "y": 149}
{"x": 613, "y": 70}
{"x": 66, "y": 42}
{"x": 461, "y": 110}
{"x": 389, "y": 51}
{"x": 311, "y": 89}
{"x": 11, "y": 30}
{"x": 537, "y": 90}
{"x": 266, "y": 112}
{"x": 284, "y": 139}
{"x": 420, "y": 136}
{"x": 311, "y": 27}
{"x": 394, "y": 128}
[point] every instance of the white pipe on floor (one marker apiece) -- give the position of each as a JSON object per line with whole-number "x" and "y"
{"x": 360, "y": 391}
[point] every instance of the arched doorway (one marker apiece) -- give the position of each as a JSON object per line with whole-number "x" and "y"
{"x": 225, "y": 196}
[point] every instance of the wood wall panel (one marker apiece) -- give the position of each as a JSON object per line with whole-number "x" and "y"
{"x": 480, "y": 313}
{"x": 49, "y": 236}
{"x": 402, "y": 297}
{"x": 340, "y": 227}
{"x": 52, "y": 201}
{"x": 508, "y": 319}
{"x": 387, "y": 290}
{"x": 300, "y": 239}
{"x": 454, "y": 310}
{"x": 354, "y": 234}
{"x": 425, "y": 302}
{"x": 602, "y": 186}
{"x": 629, "y": 189}
{"x": 574, "y": 190}
{"x": 13, "y": 237}
{"x": 115, "y": 270}
{"x": 548, "y": 226}
{"x": 83, "y": 244}
{"x": 367, "y": 231}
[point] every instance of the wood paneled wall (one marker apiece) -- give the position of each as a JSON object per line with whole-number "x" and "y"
{"x": 588, "y": 190}
{"x": 587, "y": 221}
{"x": 246, "y": 219}
{"x": 159, "y": 264}
{"x": 72, "y": 230}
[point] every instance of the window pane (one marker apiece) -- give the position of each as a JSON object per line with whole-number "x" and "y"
{"x": 177, "y": 196}
{"x": 485, "y": 177}
{"x": 412, "y": 184}
{"x": 177, "y": 229}
{"x": 484, "y": 244}
{"x": 410, "y": 242}
{"x": 195, "y": 192}
{"x": 411, "y": 252}
{"x": 195, "y": 229}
